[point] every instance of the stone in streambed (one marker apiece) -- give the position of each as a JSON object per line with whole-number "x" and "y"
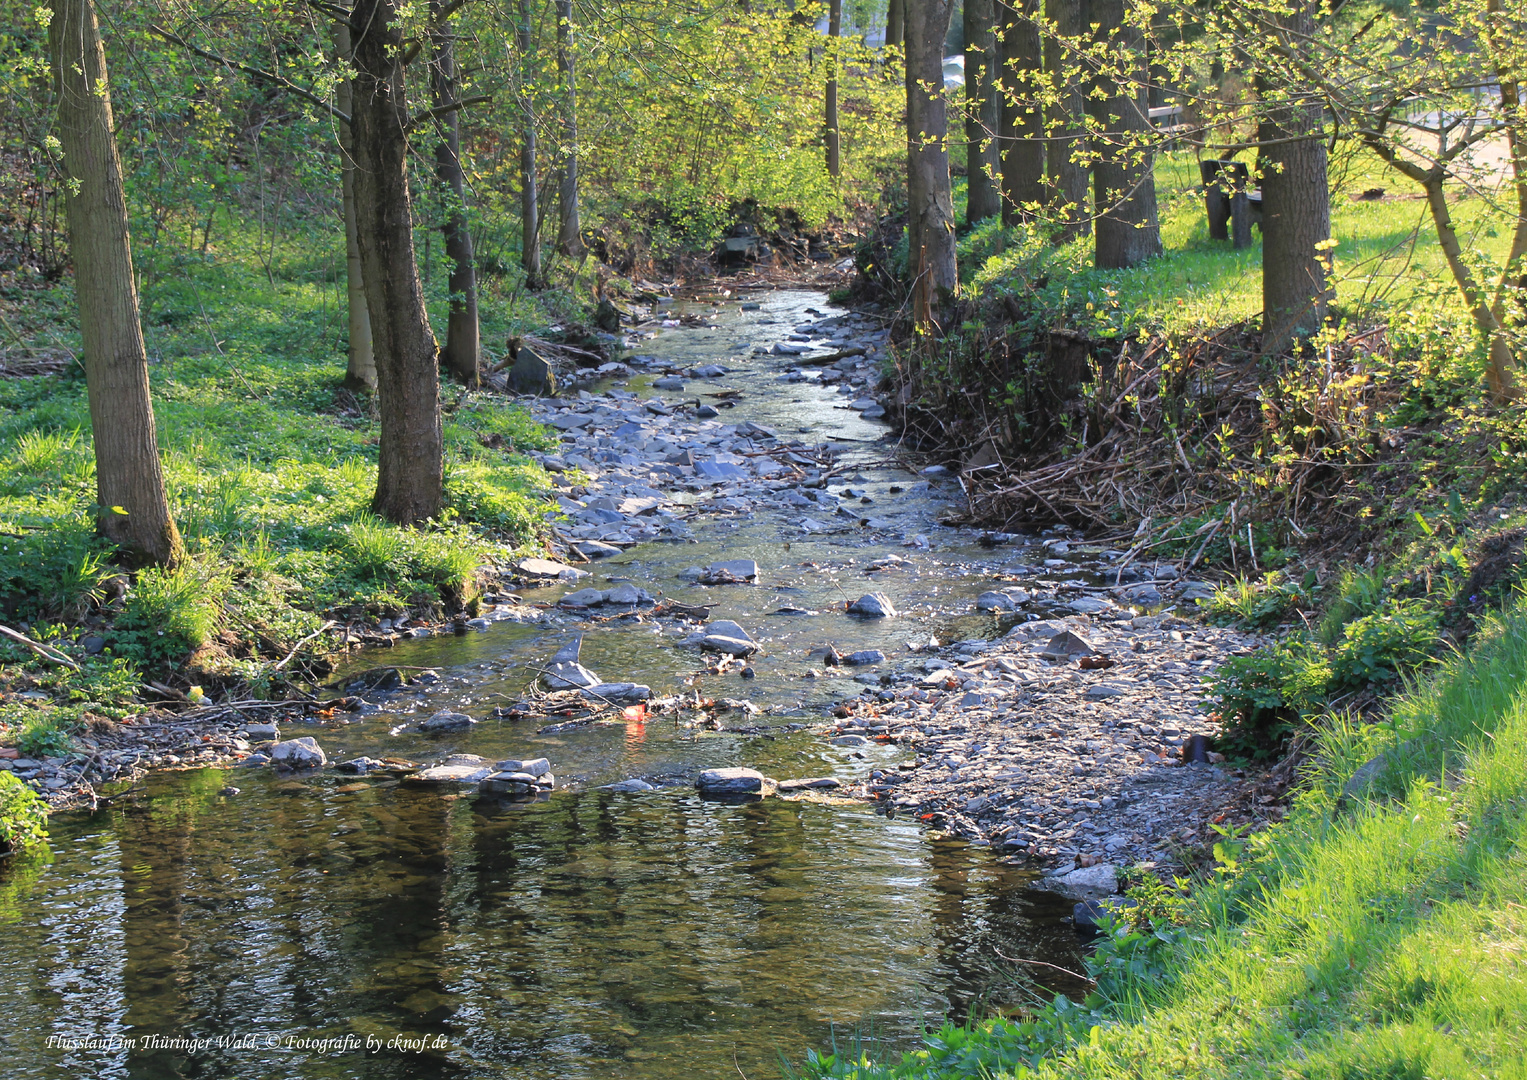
{"x": 1065, "y": 646}
{"x": 734, "y": 782}
{"x": 1087, "y": 883}
{"x": 628, "y": 787}
{"x": 450, "y": 774}
{"x": 873, "y": 606}
{"x": 531, "y": 374}
{"x": 445, "y": 720}
{"x": 617, "y": 692}
{"x": 725, "y": 636}
{"x": 809, "y": 783}
{"x": 303, "y": 753}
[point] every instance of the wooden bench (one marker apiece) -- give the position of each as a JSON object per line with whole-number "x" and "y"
{"x": 1232, "y": 206}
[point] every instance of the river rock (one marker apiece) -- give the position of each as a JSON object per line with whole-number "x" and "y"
{"x": 809, "y": 783}
{"x": 594, "y": 549}
{"x": 863, "y": 657}
{"x": 1065, "y": 646}
{"x": 995, "y": 601}
{"x": 262, "y": 731}
{"x": 668, "y": 382}
{"x": 509, "y": 783}
{"x": 1105, "y": 690}
{"x": 725, "y": 636}
{"x": 628, "y": 787}
{"x": 361, "y": 765}
{"x": 848, "y": 740}
{"x": 303, "y": 753}
{"x": 873, "y": 606}
{"x": 445, "y": 720}
{"x": 1087, "y": 883}
{"x": 734, "y": 782}
{"x": 1089, "y": 605}
{"x": 1089, "y": 914}
{"x": 451, "y": 774}
{"x": 560, "y": 675}
{"x": 547, "y": 570}
{"x": 627, "y": 593}
{"x": 583, "y": 598}
{"x": 1144, "y": 593}
{"x": 617, "y": 691}
{"x": 534, "y": 766}
{"x": 531, "y": 374}
{"x": 730, "y": 569}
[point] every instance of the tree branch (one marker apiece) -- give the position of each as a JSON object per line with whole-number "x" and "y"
{"x": 280, "y": 80}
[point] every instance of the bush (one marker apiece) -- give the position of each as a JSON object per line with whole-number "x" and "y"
{"x": 1263, "y": 696}
{"x": 1259, "y": 604}
{"x": 23, "y": 815}
{"x": 1378, "y": 648}
{"x": 168, "y": 614}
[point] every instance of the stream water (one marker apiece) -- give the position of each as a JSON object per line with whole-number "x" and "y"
{"x": 588, "y": 934}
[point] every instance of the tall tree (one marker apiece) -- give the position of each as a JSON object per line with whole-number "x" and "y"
{"x": 930, "y": 206}
{"x": 410, "y": 476}
{"x": 834, "y": 31}
{"x": 132, "y": 509}
{"x": 1296, "y": 200}
{"x": 530, "y": 211}
{"x": 1023, "y": 148}
{"x": 983, "y": 113}
{"x": 1066, "y": 174}
{"x": 462, "y": 342}
{"x": 360, "y": 367}
{"x": 569, "y": 231}
{"x": 896, "y": 22}
{"x": 1126, "y": 229}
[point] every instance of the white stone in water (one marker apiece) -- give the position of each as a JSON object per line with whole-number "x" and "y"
{"x": 617, "y": 691}
{"x": 451, "y": 774}
{"x": 445, "y": 720}
{"x": 534, "y": 766}
{"x": 262, "y": 731}
{"x": 303, "y": 753}
{"x": 848, "y": 740}
{"x": 629, "y": 786}
{"x": 725, "y": 636}
{"x": 565, "y": 676}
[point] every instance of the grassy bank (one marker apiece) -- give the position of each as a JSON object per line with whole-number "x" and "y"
{"x": 1376, "y": 933}
{"x": 270, "y": 466}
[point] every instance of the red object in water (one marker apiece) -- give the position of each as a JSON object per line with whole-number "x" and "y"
{"x": 638, "y": 713}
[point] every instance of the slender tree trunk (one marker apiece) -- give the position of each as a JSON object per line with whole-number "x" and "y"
{"x": 1296, "y": 207}
{"x": 1023, "y": 148}
{"x": 930, "y": 208}
{"x": 983, "y": 113}
{"x": 569, "y": 231}
{"x": 1066, "y": 121}
{"x": 1127, "y": 231}
{"x": 132, "y": 510}
{"x": 462, "y": 342}
{"x": 834, "y": 31}
{"x": 896, "y": 22}
{"x": 530, "y": 213}
{"x": 360, "y": 369}
{"x": 1500, "y": 372}
{"x": 410, "y": 478}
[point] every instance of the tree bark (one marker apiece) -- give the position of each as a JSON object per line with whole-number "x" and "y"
{"x": 896, "y": 22}
{"x": 1127, "y": 230}
{"x": 1066, "y": 121}
{"x": 410, "y": 481}
{"x": 360, "y": 368}
{"x": 1023, "y": 148}
{"x": 463, "y": 345}
{"x": 132, "y": 510}
{"x": 569, "y": 230}
{"x": 530, "y": 213}
{"x": 930, "y": 208}
{"x": 834, "y": 31}
{"x": 983, "y": 113}
{"x": 1296, "y": 206}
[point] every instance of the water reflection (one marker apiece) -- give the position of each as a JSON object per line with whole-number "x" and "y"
{"x": 588, "y": 935}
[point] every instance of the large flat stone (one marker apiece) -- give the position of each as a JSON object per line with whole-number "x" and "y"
{"x": 734, "y": 782}
{"x": 303, "y": 753}
{"x": 451, "y": 774}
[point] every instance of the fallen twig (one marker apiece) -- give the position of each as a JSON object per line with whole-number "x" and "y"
{"x": 48, "y": 654}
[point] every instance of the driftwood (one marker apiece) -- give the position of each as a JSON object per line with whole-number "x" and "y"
{"x": 52, "y": 656}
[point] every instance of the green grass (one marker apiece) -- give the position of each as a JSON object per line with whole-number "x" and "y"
{"x": 270, "y": 468}
{"x": 1381, "y": 937}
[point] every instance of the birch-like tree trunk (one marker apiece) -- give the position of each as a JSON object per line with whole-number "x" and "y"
{"x": 360, "y": 367}
{"x": 569, "y": 230}
{"x": 930, "y": 206}
{"x": 530, "y": 212}
{"x": 463, "y": 345}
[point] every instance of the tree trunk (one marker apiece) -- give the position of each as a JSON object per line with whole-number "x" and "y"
{"x": 132, "y": 510}
{"x": 360, "y": 369}
{"x": 930, "y": 208}
{"x": 834, "y": 31}
{"x": 1296, "y": 208}
{"x": 896, "y": 22}
{"x": 1066, "y": 121}
{"x": 409, "y": 485}
{"x": 530, "y": 214}
{"x": 1127, "y": 231}
{"x": 1501, "y": 373}
{"x": 462, "y": 343}
{"x": 569, "y": 231}
{"x": 1023, "y": 148}
{"x": 983, "y": 113}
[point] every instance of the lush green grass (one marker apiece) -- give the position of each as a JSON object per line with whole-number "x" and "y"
{"x": 270, "y": 468}
{"x": 1387, "y": 259}
{"x": 1379, "y": 936}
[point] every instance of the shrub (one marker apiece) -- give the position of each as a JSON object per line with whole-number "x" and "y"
{"x": 1259, "y": 604}
{"x": 1378, "y": 648}
{"x": 168, "y": 614}
{"x": 1262, "y": 696}
{"x": 1362, "y": 593}
{"x": 23, "y": 815}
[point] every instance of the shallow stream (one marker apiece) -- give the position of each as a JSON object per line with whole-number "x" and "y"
{"x": 589, "y": 934}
